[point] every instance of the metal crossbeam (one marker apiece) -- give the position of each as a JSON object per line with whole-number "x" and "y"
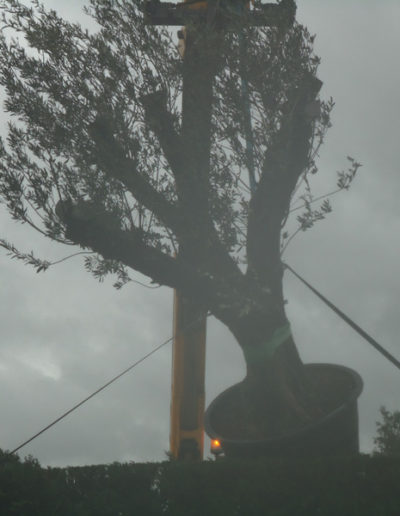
{"x": 168, "y": 13}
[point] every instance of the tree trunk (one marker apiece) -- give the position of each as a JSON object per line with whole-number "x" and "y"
{"x": 276, "y": 394}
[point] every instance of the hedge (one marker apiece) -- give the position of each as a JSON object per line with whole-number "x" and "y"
{"x": 361, "y": 486}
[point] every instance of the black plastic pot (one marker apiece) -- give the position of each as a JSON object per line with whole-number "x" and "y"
{"x": 334, "y": 434}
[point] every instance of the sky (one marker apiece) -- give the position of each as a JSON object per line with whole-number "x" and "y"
{"x": 63, "y": 334}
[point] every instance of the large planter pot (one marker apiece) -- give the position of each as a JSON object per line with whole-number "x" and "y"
{"x": 336, "y": 433}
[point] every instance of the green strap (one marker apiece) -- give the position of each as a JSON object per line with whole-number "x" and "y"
{"x": 254, "y": 354}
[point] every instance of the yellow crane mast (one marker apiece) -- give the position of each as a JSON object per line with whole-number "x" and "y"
{"x": 188, "y": 378}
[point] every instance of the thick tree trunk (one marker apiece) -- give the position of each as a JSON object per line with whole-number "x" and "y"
{"x": 275, "y": 388}
{"x": 276, "y": 395}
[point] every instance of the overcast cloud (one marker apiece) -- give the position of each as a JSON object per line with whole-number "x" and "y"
{"x": 63, "y": 334}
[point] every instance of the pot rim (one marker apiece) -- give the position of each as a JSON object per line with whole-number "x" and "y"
{"x": 352, "y": 397}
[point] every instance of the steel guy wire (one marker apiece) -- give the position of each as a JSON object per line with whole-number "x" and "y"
{"x": 347, "y": 319}
{"x": 114, "y": 379}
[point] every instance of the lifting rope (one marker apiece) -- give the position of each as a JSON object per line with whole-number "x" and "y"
{"x": 347, "y": 319}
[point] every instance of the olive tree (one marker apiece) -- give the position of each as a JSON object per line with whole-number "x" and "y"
{"x": 119, "y": 146}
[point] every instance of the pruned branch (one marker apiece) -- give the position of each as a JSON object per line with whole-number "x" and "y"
{"x": 160, "y": 121}
{"x": 90, "y": 226}
{"x": 285, "y": 161}
{"x": 111, "y": 158}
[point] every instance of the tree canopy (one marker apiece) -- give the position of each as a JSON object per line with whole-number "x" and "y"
{"x": 96, "y": 135}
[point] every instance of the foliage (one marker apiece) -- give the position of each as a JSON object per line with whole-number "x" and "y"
{"x": 66, "y": 88}
{"x": 387, "y": 441}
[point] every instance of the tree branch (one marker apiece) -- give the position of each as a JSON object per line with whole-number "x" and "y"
{"x": 285, "y": 161}
{"x": 112, "y": 160}
{"x": 188, "y": 157}
{"x": 183, "y": 156}
{"x": 160, "y": 121}
{"x": 90, "y": 226}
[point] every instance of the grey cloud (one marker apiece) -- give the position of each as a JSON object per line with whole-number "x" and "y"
{"x": 87, "y": 332}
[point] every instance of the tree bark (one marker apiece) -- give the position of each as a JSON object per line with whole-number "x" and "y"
{"x": 275, "y": 391}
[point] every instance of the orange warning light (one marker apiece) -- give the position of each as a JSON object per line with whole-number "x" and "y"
{"x": 216, "y": 448}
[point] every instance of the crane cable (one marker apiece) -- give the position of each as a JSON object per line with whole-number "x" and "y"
{"x": 347, "y": 319}
{"x": 114, "y": 379}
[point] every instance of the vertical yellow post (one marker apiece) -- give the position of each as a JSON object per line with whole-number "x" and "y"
{"x": 188, "y": 363}
{"x": 188, "y": 375}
